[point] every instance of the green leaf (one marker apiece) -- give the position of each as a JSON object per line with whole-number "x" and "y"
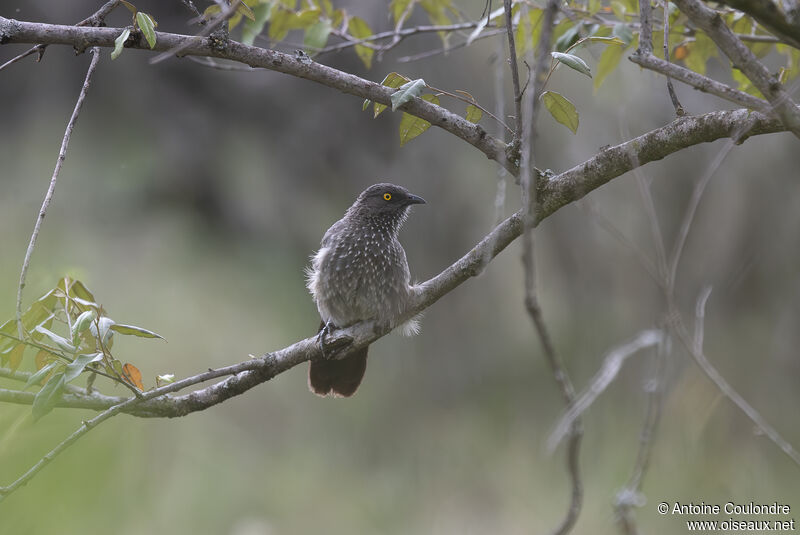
{"x": 134, "y": 330}
{"x": 15, "y": 356}
{"x": 81, "y": 324}
{"x": 700, "y": 51}
{"x": 46, "y": 398}
{"x": 407, "y": 92}
{"x": 280, "y": 23}
{"x": 41, "y": 374}
{"x": 604, "y": 40}
{"x": 9, "y": 329}
{"x": 573, "y": 62}
{"x": 528, "y": 30}
{"x": 474, "y": 114}
{"x": 359, "y": 29}
{"x": 74, "y": 368}
{"x": 60, "y": 341}
{"x": 148, "y": 27}
{"x": 398, "y": 7}
{"x": 317, "y": 35}
{"x": 609, "y": 60}
{"x": 245, "y": 10}
{"x": 568, "y": 38}
{"x": 119, "y": 43}
{"x": 253, "y": 28}
{"x": 105, "y": 324}
{"x": 619, "y": 10}
{"x": 624, "y": 33}
{"x": 561, "y": 109}
{"x": 306, "y": 18}
{"x": 412, "y": 126}
{"x": 392, "y": 80}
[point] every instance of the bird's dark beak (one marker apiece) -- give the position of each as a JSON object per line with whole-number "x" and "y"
{"x": 414, "y": 199}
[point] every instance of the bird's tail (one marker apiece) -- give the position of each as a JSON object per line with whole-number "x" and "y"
{"x": 338, "y": 377}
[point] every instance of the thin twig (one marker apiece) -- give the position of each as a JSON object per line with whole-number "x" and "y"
{"x": 87, "y": 426}
{"x": 512, "y": 53}
{"x": 529, "y": 180}
{"x": 745, "y": 60}
{"x": 33, "y": 50}
{"x": 691, "y": 209}
{"x": 727, "y": 390}
{"x": 403, "y": 33}
{"x": 208, "y": 62}
{"x": 589, "y": 206}
{"x": 612, "y": 364}
{"x": 473, "y": 102}
{"x": 700, "y": 82}
{"x": 444, "y": 50}
{"x": 62, "y": 154}
{"x": 212, "y": 25}
{"x": 95, "y": 19}
{"x": 679, "y": 111}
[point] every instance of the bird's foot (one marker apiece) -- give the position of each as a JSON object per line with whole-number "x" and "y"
{"x": 326, "y": 329}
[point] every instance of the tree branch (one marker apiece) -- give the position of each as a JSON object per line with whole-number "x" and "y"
{"x": 13, "y": 31}
{"x": 554, "y": 193}
{"x": 766, "y": 13}
{"x": 700, "y": 82}
{"x": 743, "y": 58}
{"x": 62, "y": 154}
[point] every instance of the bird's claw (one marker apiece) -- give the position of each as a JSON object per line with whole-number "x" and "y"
{"x": 325, "y": 331}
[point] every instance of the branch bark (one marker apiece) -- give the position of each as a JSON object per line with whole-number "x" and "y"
{"x": 766, "y": 13}
{"x": 743, "y": 58}
{"x": 554, "y": 193}
{"x": 14, "y": 31}
{"x": 699, "y": 82}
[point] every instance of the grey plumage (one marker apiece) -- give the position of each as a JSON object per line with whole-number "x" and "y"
{"x": 361, "y": 273}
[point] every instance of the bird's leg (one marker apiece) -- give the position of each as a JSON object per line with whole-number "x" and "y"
{"x": 326, "y": 329}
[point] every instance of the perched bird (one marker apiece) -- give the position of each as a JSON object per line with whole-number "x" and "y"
{"x": 361, "y": 273}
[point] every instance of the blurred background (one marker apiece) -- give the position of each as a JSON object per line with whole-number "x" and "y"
{"x": 189, "y": 203}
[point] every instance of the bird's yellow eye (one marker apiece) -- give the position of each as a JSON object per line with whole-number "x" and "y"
{"x": 387, "y": 196}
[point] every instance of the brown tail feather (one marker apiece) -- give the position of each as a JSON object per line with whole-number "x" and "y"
{"x": 340, "y": 377}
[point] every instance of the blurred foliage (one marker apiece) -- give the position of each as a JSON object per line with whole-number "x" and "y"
{"x": 191, "y": 199}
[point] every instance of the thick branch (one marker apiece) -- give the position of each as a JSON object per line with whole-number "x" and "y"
{"x": 743, "y": 59}
{"x": 13, "y": 31}
{"x": 554, "y": 193}
{"x": 766, "y": 13}
{"x": 683, "y": 132}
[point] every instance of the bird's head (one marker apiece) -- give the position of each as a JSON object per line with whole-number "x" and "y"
{"x": 385, "y": 202}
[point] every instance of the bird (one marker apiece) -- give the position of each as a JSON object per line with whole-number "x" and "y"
{"x": 360, "y": 273}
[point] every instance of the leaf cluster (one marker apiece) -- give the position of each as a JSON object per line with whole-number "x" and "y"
{"x": 83, "y": 347}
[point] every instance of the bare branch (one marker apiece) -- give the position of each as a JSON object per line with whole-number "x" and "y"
{"x": 700, "y": 82}
{"x": 743, "y": 58}
{"x": 671, "y": 90}
{"x": 12, "y": 31}
{"x": 513, "y": 63}
{"x": 62, "y": 154}
{"x": 694, "y": 201}
{"x": 612, "y": 364}
{"x": 38, "y": 48}
{"x": 766, "y": 13}
{"x": 727, "y": 390}
{"x": 443, "y": 50}
{"x": 613, "y": 161}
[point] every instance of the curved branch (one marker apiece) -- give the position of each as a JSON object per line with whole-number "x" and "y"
{"x": 743, "y": 59}
{"x": 698, "y": 81}
{"x": 14, "y": 31}
{"x": 554, "y": 192}
{"x": 766, "y": 13}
